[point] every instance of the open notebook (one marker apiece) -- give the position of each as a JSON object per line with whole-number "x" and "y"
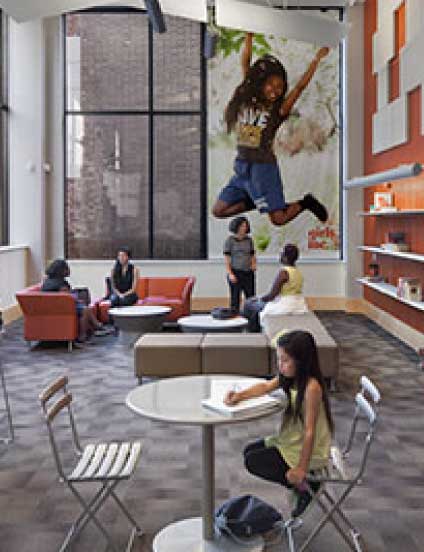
{"x": 219, "y": 389}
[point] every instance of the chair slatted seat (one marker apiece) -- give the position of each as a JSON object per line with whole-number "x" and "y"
{"x": 104, "y": 463}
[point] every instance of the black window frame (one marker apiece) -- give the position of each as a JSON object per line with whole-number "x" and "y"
{"x": 151, "y": 113}
{"x": 4, "y": 128}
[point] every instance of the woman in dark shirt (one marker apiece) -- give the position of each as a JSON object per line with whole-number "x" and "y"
{"x": 55, "y": 281}
{"x": 124, "y": 280}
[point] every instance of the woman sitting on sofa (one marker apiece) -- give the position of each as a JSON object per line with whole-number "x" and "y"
{"x": 124, "y": 280}
{"x": 285, "y": 295}
{"x": 54, "y": 281}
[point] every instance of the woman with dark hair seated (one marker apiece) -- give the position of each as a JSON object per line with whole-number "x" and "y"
{"x": 124, "y": 280}
{"x": 56, "y": 274}
{"x": 284, "y": 293}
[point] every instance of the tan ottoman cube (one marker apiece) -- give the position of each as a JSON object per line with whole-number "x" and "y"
{"x": 244, "y": 354}
{"x": 328, "y": 351}
{"x": 167, "y": 354}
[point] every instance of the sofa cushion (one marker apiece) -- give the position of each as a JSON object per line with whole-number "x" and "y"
{"x": 166, "y": 287}
{"x": 141, "y": 287}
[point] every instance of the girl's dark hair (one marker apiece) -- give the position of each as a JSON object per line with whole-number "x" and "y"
{"x": 126, "y": 250}
{"x": 250, "y": 90}
{"x": 289, "y": 254}
{"x": 59, "y": 268}
{"x": 236, "y": 223}
{"x": 301, "y": 347}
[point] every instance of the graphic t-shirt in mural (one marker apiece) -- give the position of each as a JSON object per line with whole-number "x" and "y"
{"x": 256, "y": 128}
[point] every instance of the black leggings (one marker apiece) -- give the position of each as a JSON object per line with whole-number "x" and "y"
{"x": 266, "y": 462}
{"x": 126, "y": 301}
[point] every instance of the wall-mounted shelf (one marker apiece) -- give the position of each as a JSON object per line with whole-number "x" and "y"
{"x": 390, "y": 291}
{"x": 391, "y": 213}
{"x": 400, "y": 254}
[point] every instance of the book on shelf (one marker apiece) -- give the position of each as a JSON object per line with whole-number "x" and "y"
{"x": 219, "y": 388}
{"x": 395, "y": 247}
{"x": 375, "y": 279}
{"x": 391, "y": 209}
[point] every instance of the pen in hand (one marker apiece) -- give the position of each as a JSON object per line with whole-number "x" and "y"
{"x": 231, "y": 398}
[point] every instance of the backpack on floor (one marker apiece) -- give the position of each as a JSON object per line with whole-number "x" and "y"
{"x": 223, "y": 313}
{"x": 246, "y": 516}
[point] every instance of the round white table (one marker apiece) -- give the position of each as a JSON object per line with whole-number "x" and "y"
{"x": 205, "y": 323}
{"x": 178, "y": 401}
{"x": 138, "y": 319}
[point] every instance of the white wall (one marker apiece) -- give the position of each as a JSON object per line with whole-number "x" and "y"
{"x": 320, "y": 279}
{"x": 13, "y": 268}
{"x": 27, "y": 199}
{"x": 354, "y": 160}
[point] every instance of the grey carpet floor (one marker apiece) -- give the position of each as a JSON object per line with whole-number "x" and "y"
{"x": 36, "y": 509}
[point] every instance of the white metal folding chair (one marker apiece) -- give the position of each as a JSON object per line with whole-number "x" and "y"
{"x": 11, "y": 434}
{"x": 339, "y": 474}
{"x": 103, "y": 463}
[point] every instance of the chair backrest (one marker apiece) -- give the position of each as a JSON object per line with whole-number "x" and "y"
{"x": 369, "y": 391}
{"x": 60, "y": 386}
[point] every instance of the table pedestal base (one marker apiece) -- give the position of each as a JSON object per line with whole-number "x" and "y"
{"x": 187, "y": 536}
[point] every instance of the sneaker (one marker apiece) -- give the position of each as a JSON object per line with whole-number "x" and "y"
{"x": 317, "y": 208}
{"x": 304, "y": 498}
{"x": 103, "y": 330}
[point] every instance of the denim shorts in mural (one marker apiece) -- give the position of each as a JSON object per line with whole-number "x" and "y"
{"x": 259, "y": 185}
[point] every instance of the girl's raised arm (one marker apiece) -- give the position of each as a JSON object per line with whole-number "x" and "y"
{"x": 294, "y": 94}
{"x": 246, "y": 54}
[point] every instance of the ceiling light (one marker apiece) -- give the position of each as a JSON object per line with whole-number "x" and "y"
{"x": 403, "y": 171}
{"x": 293, "y": 24}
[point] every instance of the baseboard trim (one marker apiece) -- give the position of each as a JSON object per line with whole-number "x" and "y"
{"x": 10, "y": 314}
{"x": 396, "y": 327}
{"x": 314, "y": 303}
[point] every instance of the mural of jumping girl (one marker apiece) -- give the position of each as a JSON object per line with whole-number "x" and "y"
{"x": 260, "y": 104}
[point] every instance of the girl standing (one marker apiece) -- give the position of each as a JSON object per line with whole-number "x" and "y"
{"x": 303, "y": 444}
{"x": 260, "y": 104}
{"x": 240, "y": 261}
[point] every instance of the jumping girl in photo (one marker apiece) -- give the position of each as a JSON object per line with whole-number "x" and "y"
{"x": 260, "y": 104}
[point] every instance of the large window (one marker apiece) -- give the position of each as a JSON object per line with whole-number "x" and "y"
{"x": 4, "y": 154}
{"x": 135, "y": 137}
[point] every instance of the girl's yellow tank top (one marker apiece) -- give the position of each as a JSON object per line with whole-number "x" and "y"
{"x": 289, "y": 442}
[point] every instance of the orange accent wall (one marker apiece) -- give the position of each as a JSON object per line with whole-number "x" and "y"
{"x": 408, "y": 194}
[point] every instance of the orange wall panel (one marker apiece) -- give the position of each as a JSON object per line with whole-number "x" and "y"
{"x": 408, "y": 194}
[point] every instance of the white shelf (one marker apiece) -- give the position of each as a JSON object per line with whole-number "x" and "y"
{"x": 401, "y": 254}
{"x": 391, "y": 213}
{"x": 390, "y": 291}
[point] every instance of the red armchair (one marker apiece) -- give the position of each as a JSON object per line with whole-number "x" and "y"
{"x": 174, "y": 292}
{"x": 48, "y": 316}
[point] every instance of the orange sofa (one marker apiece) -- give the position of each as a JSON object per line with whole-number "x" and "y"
{"x": 48, "y": 316}
{"x": 174, "y": 292}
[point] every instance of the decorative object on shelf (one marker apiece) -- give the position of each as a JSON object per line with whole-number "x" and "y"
{"x": 395, "y": 242}
{"x": 403, "y": 171}
{"x": 374, "y": 273}
{"x": 409, "y": 288}
{"x": 382, "y": 200}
